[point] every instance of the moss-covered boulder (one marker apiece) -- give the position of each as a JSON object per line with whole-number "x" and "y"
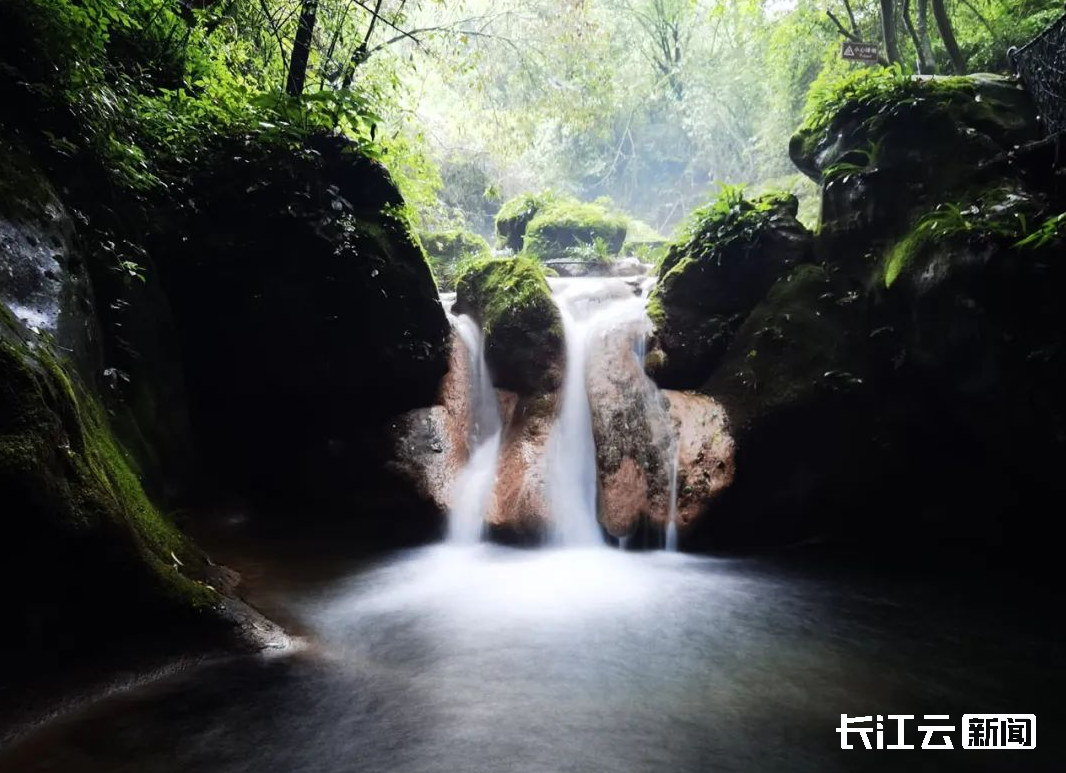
{"x": 794, "y": 385}
{"x": 83, "y": 545}
{"x": 565, "y": 228}
{"x": 885, "y": 146}
{"x": 448, "y": 250}
{"x": 308, "y": 317}
{"x": 972, "y": 305}
{"x": 514, "y": 216}
{"x": 511, "y": 300}
{"x": 733, "y": 253}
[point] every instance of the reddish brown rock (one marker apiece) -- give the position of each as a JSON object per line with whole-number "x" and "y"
{"x": 430, "y": 445}
{"x": 631, "y": 428}
{"x": 705, "y": 453}
{"x": 518, "y": 511}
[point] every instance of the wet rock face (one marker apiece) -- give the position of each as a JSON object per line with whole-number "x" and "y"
{"x": 795, "y": 387}
{"x": 43, "y": 277}
{"x": 429, "y": 446}
{"x": 705, "y": 456}
{"x": 631, "y": 429}
{"x": 518, "y": 510}
{"x": 978, "y": 326}
{"x": 641, "y": 434}
{"x": 710, "y": 282}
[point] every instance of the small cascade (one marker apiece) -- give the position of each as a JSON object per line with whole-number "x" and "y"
{"x": 598, "y": 313}
{"x": 571, "y": 449}
{"x": 670, "y": 543}
{"x": 473, "y": 487}
{"x": 608, "y": 412}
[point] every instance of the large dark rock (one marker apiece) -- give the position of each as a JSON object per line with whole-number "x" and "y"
{"x": 511, "y": 300}
{"x": 710, "y": 281}
{"x": 84, "y": 546}
{"x": 794, "y": 385}
{"x": 903, "y": 386}
{"x": 308, "y": 319}
{"x": 890, "y": 146}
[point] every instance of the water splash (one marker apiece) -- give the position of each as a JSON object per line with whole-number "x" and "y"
{"x": 473, "y": 487}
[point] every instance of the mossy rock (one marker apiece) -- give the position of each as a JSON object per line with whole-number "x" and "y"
{"x": 514, "y": 216}
{"x": 977, "y": 319}
{"x": 523, "y": 330}
{"x": 733, "y": 252}
{"x": 886, "y": 147}
{"x": 892, "y": 119}
{"x": 82, "y": 542}
{"x": 795, "y": 386}
{"x": 308, "y": 316}
{"x": 448, "y": 250}
{"x": 564, "y": 227}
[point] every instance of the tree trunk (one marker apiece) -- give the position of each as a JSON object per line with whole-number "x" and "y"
{"x": 926, "y": 49}
{"x": 926, "y": 64}
{"x": 947, "y": 34}
{"x": 888, "y": 31}
{"x": 301, "y": 49}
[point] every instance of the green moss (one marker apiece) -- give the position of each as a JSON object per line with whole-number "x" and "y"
{"x": 511, "y": 299}
{"x": 499, "y": 289}
{"x": 729, "y": 218}
{"x": 564, "y": 226}
{"x": 448, "y": 251}
{"x": 514, "y": 216}
{"x": 62, "y": 470}
{"x": 868, "y": 96}
{"x": 655, "y": 310}
{"x": 1000, "y": 214}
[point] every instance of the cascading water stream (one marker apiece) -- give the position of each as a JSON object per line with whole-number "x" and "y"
{"x": 594, "y": 311}
{"x": 473, "y": 487}
{"x": 572, "y": 450}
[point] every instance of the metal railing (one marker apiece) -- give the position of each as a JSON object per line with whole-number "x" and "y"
{"x": 1041, "y": 64}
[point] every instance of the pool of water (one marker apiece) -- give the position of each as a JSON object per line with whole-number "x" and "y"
{"x": 490, "y": 659}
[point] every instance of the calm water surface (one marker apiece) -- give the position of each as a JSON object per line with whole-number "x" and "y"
{"x": 488, "y": 659}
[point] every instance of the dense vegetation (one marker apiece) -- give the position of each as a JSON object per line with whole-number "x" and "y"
{"x": 475, "y": 101}
{"x": 653, "y": 102}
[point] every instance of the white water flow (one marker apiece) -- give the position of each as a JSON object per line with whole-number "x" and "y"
{"x": 473, "y": 487}
{"x": 595, "y": 313}
{"x": 571, "y": 448}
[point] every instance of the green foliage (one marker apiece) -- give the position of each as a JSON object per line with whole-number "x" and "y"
{"x": 451, "y": 252}
{"x": 997, "y": 214}
{"x": 856, "y": 162}
{"x": 727, "y": 218}
{"x": 1051, "y": 229}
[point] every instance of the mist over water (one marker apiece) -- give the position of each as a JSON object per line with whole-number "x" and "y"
{"x": 482, "y": 658}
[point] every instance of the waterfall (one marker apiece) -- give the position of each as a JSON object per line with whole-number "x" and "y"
{"x": 598, "y": 315}
{"x": 473, "y": 487}
{"x": 571, "y": 449}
